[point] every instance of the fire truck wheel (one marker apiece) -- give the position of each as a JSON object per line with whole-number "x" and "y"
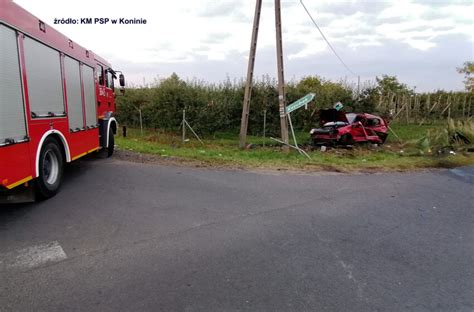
{"x": 50, "y": 170}
{"x": 110, "y": 149}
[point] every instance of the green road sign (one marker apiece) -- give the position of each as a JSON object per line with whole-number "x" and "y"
{"x": 299, "y": 103}
{"x": 338, "y": 106}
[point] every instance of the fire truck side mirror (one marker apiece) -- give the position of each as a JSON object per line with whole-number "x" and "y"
{"x": 122, "y": 80}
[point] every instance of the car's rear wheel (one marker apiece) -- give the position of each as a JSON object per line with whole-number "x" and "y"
{"x": 382, "y": 136}
{"x": 51, "y": 166}
{"x": 346, "y": 139}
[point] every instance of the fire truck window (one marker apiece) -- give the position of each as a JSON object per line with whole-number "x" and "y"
{"x": 110, "y": 80}
{"x": 12, "y": 114}
{"x": 89, "y": 95}
{"x": 43, "y": 73}
{"x": 73, "y": 91}
{"x": 100, "y": 74}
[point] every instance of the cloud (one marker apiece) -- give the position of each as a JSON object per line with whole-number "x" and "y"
{"x": 219, "y": 8}
{"x": 420, "y": 70}
{"x": 217, "y": 37}
{"x": 210, "y": 38}
{"x": 342, "y": 8}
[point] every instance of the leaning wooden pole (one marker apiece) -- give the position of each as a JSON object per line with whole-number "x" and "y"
{"x": 248, "y": 85}
{"x": 281, "y": 76}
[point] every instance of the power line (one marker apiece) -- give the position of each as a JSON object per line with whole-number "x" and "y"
{"x": 327, "y": 41}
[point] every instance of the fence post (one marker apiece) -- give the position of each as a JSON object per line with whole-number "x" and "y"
{"x": 464, "y": 106}
{"x": 264, "y": 125}
{"x": 448, "y": 104}
{"x": 416, "y": 108}
{"x": 408, "y": 106}
{"x": 141, "y": 122}
{"x": 428, "y": 103}
{"x": 390, "y": 103}
{"x": 456, "y": 105}
{"x": 184, "y": 125}
{"x": 380, "y": 101}
{"x": 469, "y": 108}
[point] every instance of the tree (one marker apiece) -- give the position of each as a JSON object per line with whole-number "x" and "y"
{"x": 468, "y": 70}
{"x": 309, "y": 84}
{"x": 367, "y": 100}
{"x": 390, "y": 84}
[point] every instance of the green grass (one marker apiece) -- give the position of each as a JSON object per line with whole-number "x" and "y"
{"x": 222, "y": 150}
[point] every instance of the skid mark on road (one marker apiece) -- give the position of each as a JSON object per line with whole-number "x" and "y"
{"x": 31, "y": 257}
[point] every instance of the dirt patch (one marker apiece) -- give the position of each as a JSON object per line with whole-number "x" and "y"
{"x": 157, "y": 159}
{"x": 131, "y": 156}
{"x": 136, "y": 157}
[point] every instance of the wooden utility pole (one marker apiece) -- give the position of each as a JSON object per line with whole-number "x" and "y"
{"x": 248, "y": 85}
{"x": 281, "y": 76}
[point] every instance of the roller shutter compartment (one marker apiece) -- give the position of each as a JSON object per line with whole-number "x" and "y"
{"x": 74, "y": 97}
{"x": 43, "y": 73}
{"x": 12, "y": 111}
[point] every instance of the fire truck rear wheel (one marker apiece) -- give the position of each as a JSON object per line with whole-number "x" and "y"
{"x": 51, "y": 166}
{"x": 110, "y": 149}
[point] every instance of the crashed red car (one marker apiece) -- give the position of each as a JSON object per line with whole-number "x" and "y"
{"x": 340, "y": 128}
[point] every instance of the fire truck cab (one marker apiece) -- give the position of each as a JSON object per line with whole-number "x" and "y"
{"x": 57, "y": 104}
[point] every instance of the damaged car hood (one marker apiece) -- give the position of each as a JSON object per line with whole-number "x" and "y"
{"x": 332, "y": 115}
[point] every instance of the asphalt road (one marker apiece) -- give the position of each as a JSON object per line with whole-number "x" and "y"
{"x": 124, "y": 236}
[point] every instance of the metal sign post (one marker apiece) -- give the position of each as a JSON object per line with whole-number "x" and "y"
{"x": 304, "y": 101}
{"x": 294, "y": 139}
{"x": 294, "y": 147}
{"x": 292, "y": 130}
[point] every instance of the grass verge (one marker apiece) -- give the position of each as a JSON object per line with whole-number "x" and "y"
{"x": 222, "y": 150}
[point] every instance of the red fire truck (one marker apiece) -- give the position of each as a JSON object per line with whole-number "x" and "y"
{"x": 57, "y": 104}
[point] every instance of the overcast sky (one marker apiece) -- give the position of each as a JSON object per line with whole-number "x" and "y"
{"x": 421, "y": 42}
